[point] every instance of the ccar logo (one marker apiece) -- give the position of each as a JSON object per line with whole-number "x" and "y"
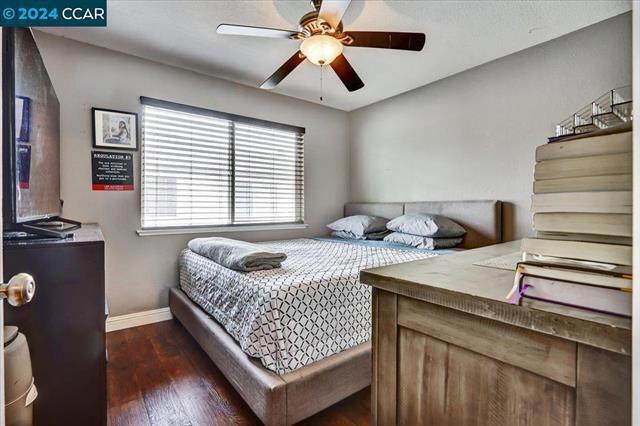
{"x": 53, "y": 13}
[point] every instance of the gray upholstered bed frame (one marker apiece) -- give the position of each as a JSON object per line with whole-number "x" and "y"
{"x": 287, "y": 399}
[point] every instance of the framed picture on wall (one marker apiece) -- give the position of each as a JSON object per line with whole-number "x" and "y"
{"x": 115, "y": 129}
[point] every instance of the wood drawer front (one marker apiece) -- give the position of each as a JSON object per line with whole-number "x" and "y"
{"x": 604, "y": 388}
{"x": 442, "y": 384}
{"x": 538, "y": 353}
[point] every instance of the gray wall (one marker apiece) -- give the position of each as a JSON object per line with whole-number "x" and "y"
{"x": 473, "y": 135}
{"x": 141, "y": 269}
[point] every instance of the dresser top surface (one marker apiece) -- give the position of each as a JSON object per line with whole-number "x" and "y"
{"x": 454, "y": 281}
{"x": 88, "y": 233}
{"x": 455, "y": 272}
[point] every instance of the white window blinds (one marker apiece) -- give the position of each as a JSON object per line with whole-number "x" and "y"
{"x": 206, "y": 168}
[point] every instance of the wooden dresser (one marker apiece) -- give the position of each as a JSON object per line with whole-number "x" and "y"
{"x": 64, "y": 325}
{"x": 448, "y": 350}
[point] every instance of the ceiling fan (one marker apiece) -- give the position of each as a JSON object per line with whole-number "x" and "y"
{"x": 323, "y": 41}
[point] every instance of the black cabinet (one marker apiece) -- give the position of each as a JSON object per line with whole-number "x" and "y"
{"x": 64, "y": 325}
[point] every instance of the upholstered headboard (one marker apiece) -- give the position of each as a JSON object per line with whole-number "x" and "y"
{"x": 388, "y": 210}
{"x": 482, "y": 218}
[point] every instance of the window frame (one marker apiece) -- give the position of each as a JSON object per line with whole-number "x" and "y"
{"x": 231, "y": 227}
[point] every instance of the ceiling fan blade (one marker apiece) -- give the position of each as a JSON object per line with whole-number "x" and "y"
{"x": 333, "y": 10}
{"x": 283, "y": 71}
{"x": 388, "y": 40}
{"x": 245, "y": 30}
{"x": 347, "y": 74}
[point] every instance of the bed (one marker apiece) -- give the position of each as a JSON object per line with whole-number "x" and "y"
{"x": 274, "y": 334}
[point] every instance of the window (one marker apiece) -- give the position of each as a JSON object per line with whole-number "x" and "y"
{"x": 207, "y": 168}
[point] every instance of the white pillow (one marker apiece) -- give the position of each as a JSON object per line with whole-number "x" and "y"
{"x": 346, "y": 235}
{"x": 359, "y": 225}
{"x": 423, "y": 242}
{"x": 426, "y": 225}
{"x": 370, "y": 236}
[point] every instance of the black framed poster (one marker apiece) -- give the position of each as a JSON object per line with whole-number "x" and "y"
{"x": 111, "y": 171}
{"x": 115, "y": 129}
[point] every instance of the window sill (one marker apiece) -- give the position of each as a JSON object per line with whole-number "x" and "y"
{"x": 218, "y": 229}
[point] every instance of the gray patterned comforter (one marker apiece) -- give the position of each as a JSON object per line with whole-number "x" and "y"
{"x": 311, "y": 308}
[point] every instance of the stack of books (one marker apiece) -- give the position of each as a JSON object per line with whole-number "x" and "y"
{"x": 582, "y": 207}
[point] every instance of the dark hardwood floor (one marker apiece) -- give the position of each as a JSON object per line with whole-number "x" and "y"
{"x": 158, "y": 375}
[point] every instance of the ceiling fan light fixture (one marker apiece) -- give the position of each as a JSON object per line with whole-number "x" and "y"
{"x": 322, "y": 40}
{"x": 321, "y": 49}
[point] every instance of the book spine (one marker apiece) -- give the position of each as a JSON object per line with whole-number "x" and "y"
{"x": 584, "y": 223}
{"x": 583, "y": 202}
{"x": 584, "y": 184}
{"x": 590, "y": 238}
{"x": 600, "y": 145}
{"x": 596, "y": 299}
{"x": 596, "y": 252}
{"x": 595, "y": 269}
{"x": 599, "y": 165}
{"x": 576, "y": 275}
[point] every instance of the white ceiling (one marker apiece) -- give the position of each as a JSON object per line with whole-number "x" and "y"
{"x": 460, "y": 35}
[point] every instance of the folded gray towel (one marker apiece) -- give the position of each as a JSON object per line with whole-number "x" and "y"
{"x": 238, "y": 255}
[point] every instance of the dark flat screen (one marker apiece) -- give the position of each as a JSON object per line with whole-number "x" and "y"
{"x": 37, "y": 134}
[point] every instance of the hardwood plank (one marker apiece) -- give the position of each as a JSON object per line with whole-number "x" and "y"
{"x": 125, "y": 401}
{"x": 604, "y": 388}
{"x": 541, "y": 354}
{"x": 228, "y": 406}
{"x": 385, "y": 358}
{"x": 355, "y": 410}
{"x": 160, "y": 398}
{"x": 201, "y": 405}
{"x": 167, "y": 338}
{"x": 162, "y": 364}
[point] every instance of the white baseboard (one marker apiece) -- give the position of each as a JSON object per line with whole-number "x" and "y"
{"x": 138, "y": 318}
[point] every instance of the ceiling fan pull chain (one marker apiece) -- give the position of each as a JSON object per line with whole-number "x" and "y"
{"x": 321, "y": 88}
